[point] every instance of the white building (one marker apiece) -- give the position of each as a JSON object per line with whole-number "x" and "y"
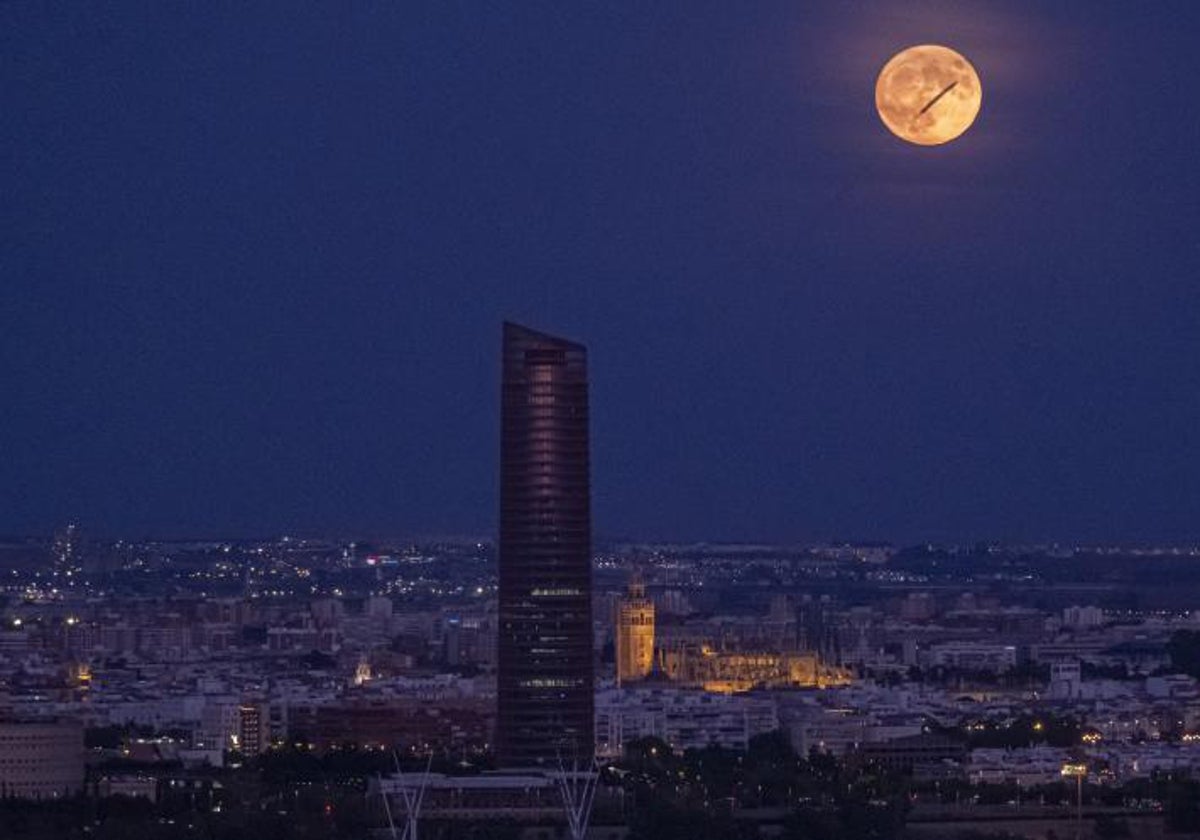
{"x": 1082, "y": 618}
{"x": 685, "y": 719}
{"x": 976, "y": 656}
{"x": 1066, "y": 681}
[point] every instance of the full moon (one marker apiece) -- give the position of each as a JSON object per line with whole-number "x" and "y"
{"x": 928, "y": 95}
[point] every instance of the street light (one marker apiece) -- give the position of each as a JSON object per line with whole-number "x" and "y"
{"x": 1078, "y": 770}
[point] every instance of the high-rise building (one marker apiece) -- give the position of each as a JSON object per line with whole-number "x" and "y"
{"x": 545, "y": 665}
{"x": 635, "y": 633}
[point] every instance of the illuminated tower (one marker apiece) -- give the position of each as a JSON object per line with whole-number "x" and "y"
{"x": 635, "y": 633}
{"x": 544, "y": 680}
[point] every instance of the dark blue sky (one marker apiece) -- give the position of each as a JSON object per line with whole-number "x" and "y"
{"x": 255, "y": 258}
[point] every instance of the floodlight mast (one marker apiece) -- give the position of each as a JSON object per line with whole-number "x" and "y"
{"x": 578, "y": 791}
{"x": 413, "y": 798}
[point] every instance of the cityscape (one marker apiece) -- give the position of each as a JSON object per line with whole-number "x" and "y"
{"x": 621, "y": 421}
{"x": 545, "y": 687}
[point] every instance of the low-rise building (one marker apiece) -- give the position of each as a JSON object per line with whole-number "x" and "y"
{"x": 685, "y": 719}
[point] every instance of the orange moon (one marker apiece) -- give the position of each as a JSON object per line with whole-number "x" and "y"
{"x": 928, "y": 95}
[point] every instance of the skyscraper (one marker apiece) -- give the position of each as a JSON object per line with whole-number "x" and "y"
{"x": 544, "y": 686}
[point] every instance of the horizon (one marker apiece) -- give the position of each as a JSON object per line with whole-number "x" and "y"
{"x": 602, "y": 542}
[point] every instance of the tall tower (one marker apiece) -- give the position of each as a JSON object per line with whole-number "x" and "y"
{"x": 544, "y": 680}
{"x": 635, "y": 633}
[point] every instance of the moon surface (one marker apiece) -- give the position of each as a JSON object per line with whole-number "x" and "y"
{"x": 928, "y": 94}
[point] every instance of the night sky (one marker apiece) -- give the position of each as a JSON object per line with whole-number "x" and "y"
{"x": 255, "y": 259}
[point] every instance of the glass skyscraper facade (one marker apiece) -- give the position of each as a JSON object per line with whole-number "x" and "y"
{"x": 545, "y": 679}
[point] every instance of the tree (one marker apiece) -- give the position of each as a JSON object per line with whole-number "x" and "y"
{"x": 1183, "y": 806}
{"x": 1184, "y": 650}
{"x": 648, "y": 751}
{"x": 1107, "y": 826}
